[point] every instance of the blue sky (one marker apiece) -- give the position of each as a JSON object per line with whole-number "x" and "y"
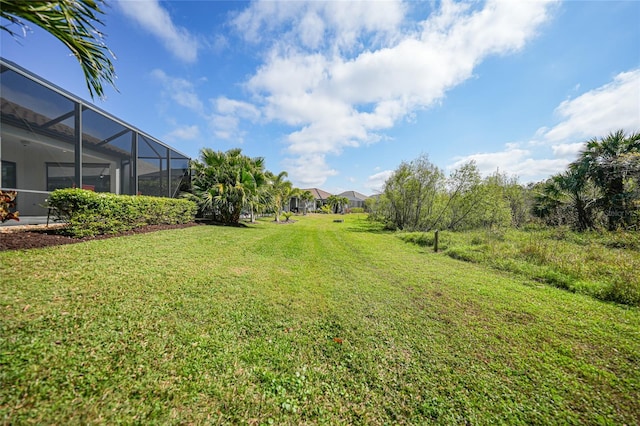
{"x": 338, "y": 93}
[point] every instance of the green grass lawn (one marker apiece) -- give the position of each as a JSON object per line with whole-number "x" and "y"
{"x": 311, "y": 322}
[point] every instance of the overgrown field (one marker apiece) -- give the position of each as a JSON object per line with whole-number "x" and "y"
{"x": 303, "y": 323}
{"x": 603, "y": 265}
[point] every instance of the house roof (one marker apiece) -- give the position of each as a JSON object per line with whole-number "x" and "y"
{"x": 318, "y": 194}
{"x": 353, "y": 196}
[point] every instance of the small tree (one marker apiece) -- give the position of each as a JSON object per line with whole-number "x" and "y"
{"x": 465, "y": 197}
{"x": 410, "y": 194}
{"x": 281, "y": 191}
{"x": 306, "y": 197}
{"x": 337, "y": 203}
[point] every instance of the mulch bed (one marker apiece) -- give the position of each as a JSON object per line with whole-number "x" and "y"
{"x": 22, "y": 238}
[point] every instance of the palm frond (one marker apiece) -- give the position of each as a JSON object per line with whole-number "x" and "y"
{"x": 73, "y": 22}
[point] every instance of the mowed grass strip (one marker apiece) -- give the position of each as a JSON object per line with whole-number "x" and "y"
{"x": 310, "y": 322}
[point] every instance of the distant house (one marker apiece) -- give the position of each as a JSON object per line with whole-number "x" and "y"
{"x": 355, "y": 198}
{"x": 320, "y": 199}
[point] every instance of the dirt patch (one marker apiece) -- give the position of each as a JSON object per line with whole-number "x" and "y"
{"x": 38, "y": 236}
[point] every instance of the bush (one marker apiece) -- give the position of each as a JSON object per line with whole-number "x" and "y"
{"x": 89, "y": 213}
{"x": 356, "y": 210}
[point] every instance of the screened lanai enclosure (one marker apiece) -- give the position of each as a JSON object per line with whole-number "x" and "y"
{"x": 51, "y": 139}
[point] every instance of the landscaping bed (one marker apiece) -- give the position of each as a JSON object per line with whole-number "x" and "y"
{"x": 38, "y": 236}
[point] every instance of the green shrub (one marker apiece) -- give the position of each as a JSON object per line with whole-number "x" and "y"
{"x": 90, "y": 213}
{"x": 356, "y": 210}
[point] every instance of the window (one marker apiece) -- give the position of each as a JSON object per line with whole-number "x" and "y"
{"x": 9, "y": 174}
{"x": 60, "y": 175}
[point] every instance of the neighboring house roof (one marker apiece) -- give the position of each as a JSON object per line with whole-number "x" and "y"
{"x": 318, "y": 194}
{"x": 353, "y": 196}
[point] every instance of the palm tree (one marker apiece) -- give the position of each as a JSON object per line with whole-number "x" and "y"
{"x": 611, "y": 163}
{"x": 225, "y": 182}
{"x": 337, "y": 203}
{"x": 574, "y": 183}
{"x": 306, "y": 197}
{"x": 73, "y": 22}
{"x": 281, "y": 190}
{"x": 257, "y": 182}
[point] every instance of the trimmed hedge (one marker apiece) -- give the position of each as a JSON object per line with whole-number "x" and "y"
{"x": 91, "y": 213}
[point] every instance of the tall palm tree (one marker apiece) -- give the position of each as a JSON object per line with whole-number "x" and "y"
{"x": 610, "y": 162}
{"x": 73, "y": 22}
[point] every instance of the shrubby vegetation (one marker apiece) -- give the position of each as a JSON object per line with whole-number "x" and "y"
{"x": 228, "y": 184}
{"x": 90, "y": 213}
{"x": 601, "y": 264}
{"x": 600, "y": 189}
{"x": 579, "y": 229}
{"x": 419, "y": 197}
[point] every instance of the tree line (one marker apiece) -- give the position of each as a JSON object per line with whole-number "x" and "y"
{"x": 600, "y": 189}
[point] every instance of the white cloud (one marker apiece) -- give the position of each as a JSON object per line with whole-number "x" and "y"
{"x": 489, "y": 162}
{"x": 224, "y": 105}
{"x": 184, "y": 133}
{"x": 157, "y": 21}
{"x": 334, "y": 94}
{"x": 179, "y": 90}
{"x": 596, "y": 113}
{"x": 308, "y": 171}
{"x": 376, "y": 181}
{"x": 225, "y": 121}
{"x": 334, "y": 25}
{"x": 514, "y": 161}
{"x": 223, "y": 114}
{"x": 567, "y": 150}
